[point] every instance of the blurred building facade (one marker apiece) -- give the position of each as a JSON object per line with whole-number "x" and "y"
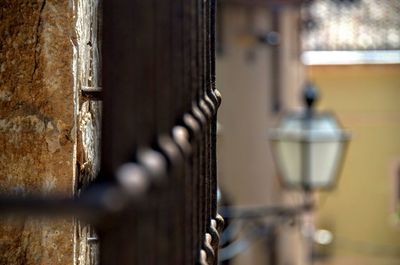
{"x": 363, "y": 89}
{"x": 258, "y": 80}
{"x": 362, "y": 212}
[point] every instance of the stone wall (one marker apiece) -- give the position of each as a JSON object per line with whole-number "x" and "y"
{"x": 87, "y": 77}
{"x": 48, "y": 146}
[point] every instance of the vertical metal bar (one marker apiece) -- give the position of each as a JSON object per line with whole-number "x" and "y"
{"x": 158, "y": 71}
{"x": 128, "y": 80}
{"x": 165, "y": 73}
{"x": 212, "y": 104}
{"x": 199, "y": 56}
{"x": 128, "y": 88}
{"x": 214, "y": 121}
{"x": 213, "y": 128}
{"x": 187, "y": 100}
{"x": 195, "y": 145}
{"x": 276, "y": 63}
{"x": 177, "y": 172}
{"x": 272, "y": 242}
{"x": 164, "y": 76}
{"x": 206, "y": 113}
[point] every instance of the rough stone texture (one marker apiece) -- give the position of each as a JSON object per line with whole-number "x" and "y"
{"x": 88, "y": 68}
{"x": 37, "y": 120}
{"x": 88, "y": 156}
{"x": 88, "y": 77}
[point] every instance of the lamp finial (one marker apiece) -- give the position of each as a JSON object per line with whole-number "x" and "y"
{"x": 310, "y": 95}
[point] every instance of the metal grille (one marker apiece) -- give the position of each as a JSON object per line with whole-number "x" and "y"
{"x": 154, "y": 200}
{"x": 351, "y": 25}
{"x": 159, "y": 113}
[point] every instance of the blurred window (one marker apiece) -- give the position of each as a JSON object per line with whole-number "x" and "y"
{"x": 368, "y": 31}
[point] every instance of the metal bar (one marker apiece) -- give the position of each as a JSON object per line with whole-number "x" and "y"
{"x": 263, "y": 211}
{"x": 263, "y": 3}
{"x": 213, "y": 166}
{"x": 131, "y": 120}
{"x": 91, "y": 93}
{"x": 47, "y": 206}
{"x": 95, "y": 203}
{"x": 128, "y": 81}
{"x": 276, "y": 64}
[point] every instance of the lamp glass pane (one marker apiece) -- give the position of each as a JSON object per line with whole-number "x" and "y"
{"x": 318, "y": 140}
{"x": 289, "y": 161}
{"x": 324, "y": 162}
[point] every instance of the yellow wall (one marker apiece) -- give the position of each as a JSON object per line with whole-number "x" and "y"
{"x": 366, "y": 98}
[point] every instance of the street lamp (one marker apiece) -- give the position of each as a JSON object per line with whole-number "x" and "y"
{"x": 309, "y": 146}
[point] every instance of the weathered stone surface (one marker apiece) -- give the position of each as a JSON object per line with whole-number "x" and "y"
{"x": 88, "y": 67}
{"x": 37, "y": 123}
{"x": 37, "y": 111}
